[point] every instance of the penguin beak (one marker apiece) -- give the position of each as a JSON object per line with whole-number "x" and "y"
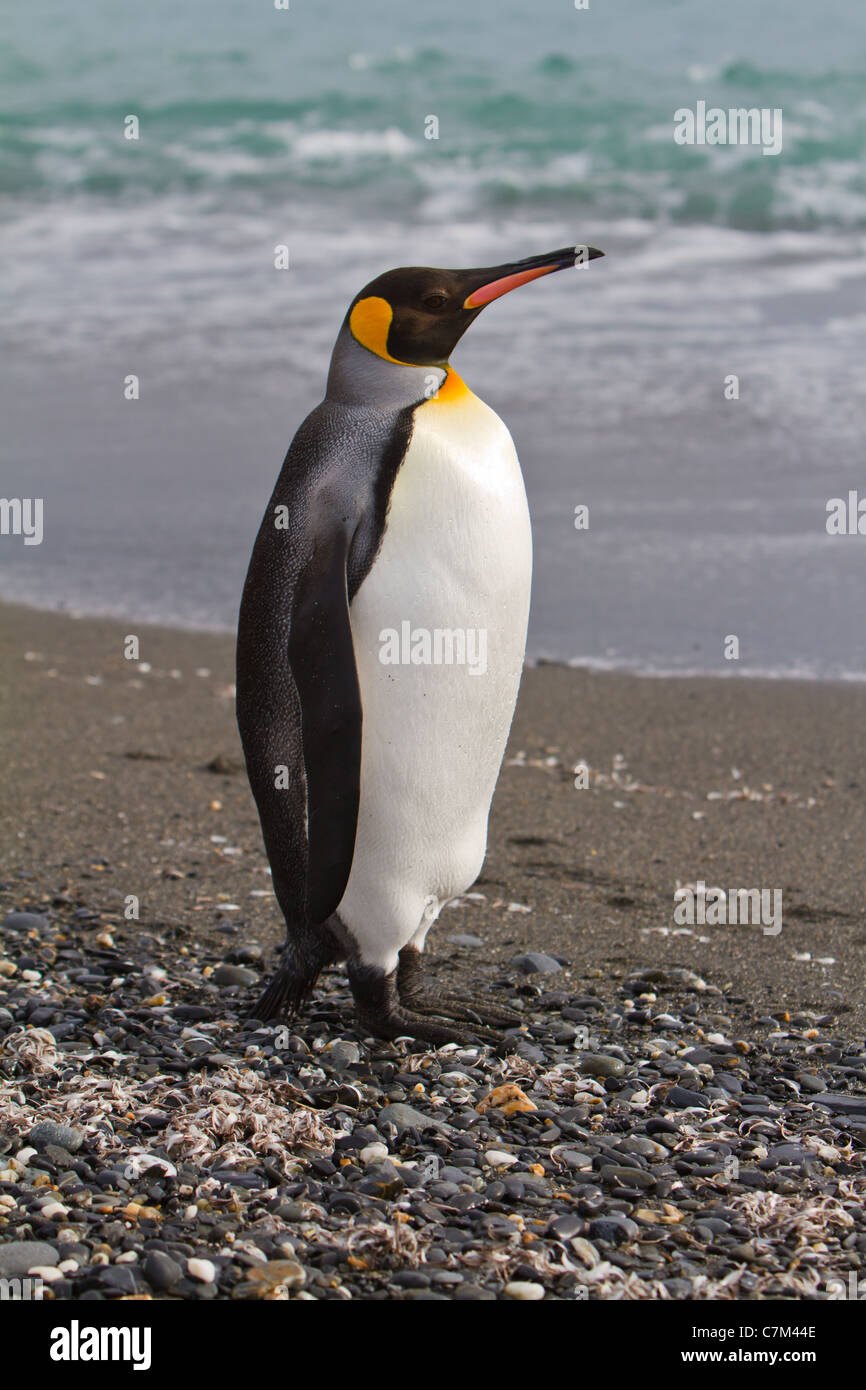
{"x": 499, "y": 280}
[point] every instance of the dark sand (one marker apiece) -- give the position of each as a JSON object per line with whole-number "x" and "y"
{"x": 107, "y": 792}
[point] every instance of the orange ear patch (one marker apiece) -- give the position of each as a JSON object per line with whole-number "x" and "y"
{"x": 369, "y": 322}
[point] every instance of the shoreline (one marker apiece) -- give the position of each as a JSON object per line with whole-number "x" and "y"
{"x": 586, "y": 664}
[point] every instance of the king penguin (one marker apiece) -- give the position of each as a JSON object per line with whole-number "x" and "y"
{"x": 400, "y": 508}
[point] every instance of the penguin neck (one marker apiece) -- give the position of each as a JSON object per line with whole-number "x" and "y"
{"x": 359, "y": 377}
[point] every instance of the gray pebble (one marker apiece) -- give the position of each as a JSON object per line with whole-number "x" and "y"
{"x": 17, "y": 1256}
{"x": 536, "y": 963}
{"x": 47, "y": 1132}
{"x": 597, "y": 1064}
{"x": 809, "y": 1081}
{"x": 25, "y": 921}
{"x": 615, "y": 1229}
{"x": 233, "y": 975}
{"x": 407, "y": 1117}
{"x": 840, "y": 1103}
{"x": 160, "y": 1270}
{"x": 681, "y": 1099}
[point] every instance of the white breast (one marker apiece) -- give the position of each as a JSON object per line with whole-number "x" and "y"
{"x": 456, "y": 558}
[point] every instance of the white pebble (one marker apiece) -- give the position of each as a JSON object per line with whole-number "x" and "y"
{"x": 47, "y": 1273}
{"x": 525, "y": 1292}
{"x": 374, "y": 1153}
{"x": 497, "y": 1158}
{"x": 52, "y": 1209}
{"x": 202, "y": 1270}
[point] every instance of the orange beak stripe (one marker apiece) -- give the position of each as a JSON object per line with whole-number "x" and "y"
{"x": 486, "y": 293}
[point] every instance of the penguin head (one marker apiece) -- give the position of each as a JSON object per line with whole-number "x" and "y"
{"x": 415, "y": 316}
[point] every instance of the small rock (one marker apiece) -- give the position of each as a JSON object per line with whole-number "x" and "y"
{"x": 809, "y": 1081}
{"x": 225, "y": 975}
{"x": 615, "y": 1229}
{"x": 278, "y": 1274}
{"x": 53, "y": 1211}
{"x": 629, "y": 1177}
{"x": 204, "y": 1271}
{"x": 498, "y": 1158}
{"x": 48, "y": 1132}
{"x": 681, "y": 1099}
{"x": 160, "y": 1270}
{"x": 537, "y": 963}
{"x": 19, "y": 1256}
{"x": 840, "y": 1103}
{"x": 509, "y": 1099}
{"x": 25, "y": 921}
{"x": 565, "y": 1227}
{"x": 49, "y": 1274}
{"x": 373, "y": 1153}
{"x": 597, "y": 1064}
{"x": 407, "y": 1117}
{"x": 119, "y": 1279}
{"x": 523, "y": 1291}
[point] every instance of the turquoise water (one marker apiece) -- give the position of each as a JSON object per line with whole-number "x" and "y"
{"x": 540, "y": 106}
{"x": 307, "y": 127}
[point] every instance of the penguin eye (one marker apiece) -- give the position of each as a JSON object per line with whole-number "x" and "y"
{"x": 435, "y": 301}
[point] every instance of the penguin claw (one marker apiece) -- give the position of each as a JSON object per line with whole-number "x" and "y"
{"x": 382, "y": 1013}
{"x": 415, "y": 992}
{"x": 404, "y": 1023}
{"x": 275, "y": 1000}
{"x": 453, "y": 1006}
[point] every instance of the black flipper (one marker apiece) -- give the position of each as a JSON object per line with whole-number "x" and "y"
{"x": 298, "y": 700}
{"x": 322, "y": 661}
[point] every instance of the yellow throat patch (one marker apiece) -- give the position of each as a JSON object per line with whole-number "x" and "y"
{"x": 369, "y": 323}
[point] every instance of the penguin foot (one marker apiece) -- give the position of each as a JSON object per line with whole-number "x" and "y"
{"x": 380, "y": 1012}
{"x": 305, "y": 955}
{"x": 279, "y": 998}
{"x": 418, "y": 994}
